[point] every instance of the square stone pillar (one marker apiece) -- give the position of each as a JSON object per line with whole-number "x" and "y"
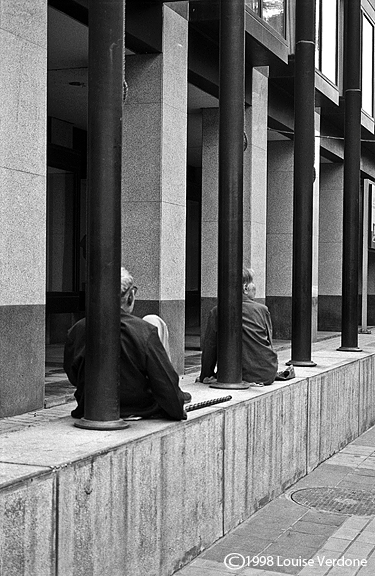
{"x": 255, "y": 181}
{"x": 23, "y": 97}
{"x": 154, "y": 179}
{"x": 280, "y": 236}
{"x": 210, "y": 212}
{"x": 330, "y": 246}
{"x": 315, "y": 228}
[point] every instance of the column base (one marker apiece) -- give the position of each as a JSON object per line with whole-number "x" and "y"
{"x": 308, "y": 363}
{"x": 119, "y": 424}
{"x": 349, "y": 349}
{"x": 231, "y": 386}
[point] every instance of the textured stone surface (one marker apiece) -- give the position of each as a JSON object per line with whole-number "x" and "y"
{"x": 22, "y": 344}
{"x": 27, "y": 542}
{"x": 165, "y": 490}
{"x": 23, "y": 240}
{"x": 24, "y": 105}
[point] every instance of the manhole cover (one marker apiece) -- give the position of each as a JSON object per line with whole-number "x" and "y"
{"x": 339, "y": 500}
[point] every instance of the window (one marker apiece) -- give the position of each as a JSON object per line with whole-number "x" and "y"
{"x": 326, "y": 38}
{"x": 367, "y": 66}
{"x": 271, "y": 11}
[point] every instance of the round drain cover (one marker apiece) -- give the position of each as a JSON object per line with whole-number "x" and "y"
{"x": 339, "y": 500}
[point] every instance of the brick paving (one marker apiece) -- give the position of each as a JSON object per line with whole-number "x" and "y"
{"x": 285, "y": 537}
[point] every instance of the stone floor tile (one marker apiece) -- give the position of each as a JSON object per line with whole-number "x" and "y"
{"x": 371, "y": 526}
{"x": 314, "y": 528}
{"x": 358, "y": 449}
{"x": 230, "y": 544}
{"x": 367, "y": 536}
{"x": 345, "y": 533}
{"x": 325, "y": 475}
{"x": 293, "y": 548}
{"x": 356, "y": 522}
{"x": 358, "y": 481}
{"x": 295, "y": 539}
{"x": 327, "y": 518}
{"x": 336, "y": 544}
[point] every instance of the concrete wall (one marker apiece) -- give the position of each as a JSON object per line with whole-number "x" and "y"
{"x": 23, "y": 95}
{"x": 148, "y": 499}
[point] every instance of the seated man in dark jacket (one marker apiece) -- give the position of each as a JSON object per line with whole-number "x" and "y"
{"x": 149, "y": 385}
{"x": 259, "y": 359}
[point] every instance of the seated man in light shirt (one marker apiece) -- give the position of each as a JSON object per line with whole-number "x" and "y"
{"x": 149, "y": 385}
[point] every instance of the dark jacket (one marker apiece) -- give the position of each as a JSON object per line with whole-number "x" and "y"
{"x": 149, "y": 385}
{"x": 259, "y": 360}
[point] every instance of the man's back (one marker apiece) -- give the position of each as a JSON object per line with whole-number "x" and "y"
{"x": 148, "y": 382}
{"x": 259, "y": 360}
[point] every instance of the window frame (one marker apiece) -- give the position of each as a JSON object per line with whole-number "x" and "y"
{"x": 371, "y": 21}
{"x": 259, "y": 13}
{"x": 319, "y": 44}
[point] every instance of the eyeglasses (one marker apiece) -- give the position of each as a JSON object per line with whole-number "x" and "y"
{"x": 134, "y": 288}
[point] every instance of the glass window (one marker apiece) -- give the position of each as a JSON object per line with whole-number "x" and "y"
{"x": 272, "y": 12}
{"x": 326, "y": 38}
{"x": 253, "y": 5}
{"x": 367, "y": 66}
{"x": 329, "y": 39}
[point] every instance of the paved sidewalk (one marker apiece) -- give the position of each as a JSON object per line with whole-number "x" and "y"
{"x": 331, "y": 533}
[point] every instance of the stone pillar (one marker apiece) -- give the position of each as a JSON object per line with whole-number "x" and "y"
{"x": 330, "y": 246}
{"x": 255, "y": 181}
{"x": 154, "y": 179}
{"x": 23, "y": 91}
{"x": 210, "y": 199}
{"x": 280, "y": 236}
{"x": 315, "y": 225}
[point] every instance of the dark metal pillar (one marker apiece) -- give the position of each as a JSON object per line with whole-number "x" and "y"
{"x": 352, "y": 160}
{"x": 231, "y": 142}
{"x": 105, "y": 100}
{"x": 304, "y": 144}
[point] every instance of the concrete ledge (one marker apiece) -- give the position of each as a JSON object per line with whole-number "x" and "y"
{"x": 148, "y": 499}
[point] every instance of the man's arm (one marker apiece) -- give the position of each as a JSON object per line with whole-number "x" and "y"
{"x": 164, "y": 380}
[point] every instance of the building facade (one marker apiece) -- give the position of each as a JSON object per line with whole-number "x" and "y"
{"x": 170, "y": 170}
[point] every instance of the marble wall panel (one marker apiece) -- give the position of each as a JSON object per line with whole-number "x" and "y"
{"x": 142, "y": 152}
{"x": 25, "y": 18}
{"x": 23, "y": 96}
{"x": 237, "y": 466}
{"x": 175, "y": 51}
{"x": 141, "y": 246}
{"x": 174, "y": 151}
{"x": 191, "y": 480}
{"x": 23, "y": 238}
{"x": 330, "y": 226}
{"x": 27, "y": 519}
{"x": 172, "y": 252}
{"x": 209, "y": 252}
{"x": 92, "y": 513}
{"x": 333, "y": 405}
{"x": 366, "y": 393}
{"x": 144, "y": 77}
{"x": 279, "y": 264}
{"x": 330, "y": 268}
{"x": 22, "y": 345}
